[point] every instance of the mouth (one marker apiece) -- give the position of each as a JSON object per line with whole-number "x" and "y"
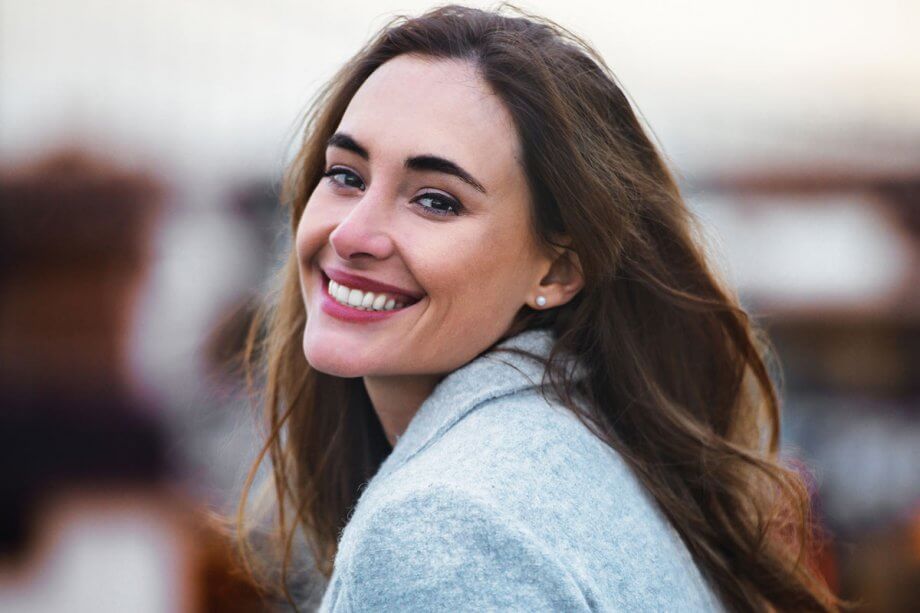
{"x": 361, "y": 304}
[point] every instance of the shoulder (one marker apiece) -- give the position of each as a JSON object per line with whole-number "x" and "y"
{"x": 526, "y": 467}
{"x": 511, "y": 448}
{"x": 517, "y": 505}
{"x": 438, "y": 548}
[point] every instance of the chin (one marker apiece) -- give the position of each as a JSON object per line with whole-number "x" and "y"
{"x": 334, "y": 358}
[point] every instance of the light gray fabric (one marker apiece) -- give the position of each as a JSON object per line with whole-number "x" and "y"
{"x": 496, "y": 499}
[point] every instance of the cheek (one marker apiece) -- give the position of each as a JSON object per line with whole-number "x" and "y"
{"x": 478, "y": 277}
{"x": 312, "y": 231}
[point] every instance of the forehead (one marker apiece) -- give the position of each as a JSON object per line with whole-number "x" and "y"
{"x": 415, "y": 105}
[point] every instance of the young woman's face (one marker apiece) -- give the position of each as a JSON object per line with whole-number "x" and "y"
{"x": 425, "y": 208}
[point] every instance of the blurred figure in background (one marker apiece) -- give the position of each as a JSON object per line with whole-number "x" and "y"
{"x": 74, "y": 237}
{"x": 86, "y": 467}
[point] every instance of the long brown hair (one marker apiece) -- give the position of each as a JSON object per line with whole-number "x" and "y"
{"x": 677, "y": 382}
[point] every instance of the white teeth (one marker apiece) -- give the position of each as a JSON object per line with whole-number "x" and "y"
{"x": 365, "y": 301}
{"x": 354, "y": 298}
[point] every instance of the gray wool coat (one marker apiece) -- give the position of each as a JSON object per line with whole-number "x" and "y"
{"x": 496, "y": 498}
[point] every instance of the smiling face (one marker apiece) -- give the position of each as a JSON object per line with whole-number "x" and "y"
{"x": 425, "y": 205}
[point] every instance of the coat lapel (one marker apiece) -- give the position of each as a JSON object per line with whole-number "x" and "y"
{"x": 490, "y": 375}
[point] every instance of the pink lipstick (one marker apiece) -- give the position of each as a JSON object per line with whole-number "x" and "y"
{"x": 351, "y": 314}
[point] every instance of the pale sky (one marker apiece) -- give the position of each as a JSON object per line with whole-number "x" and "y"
{"x": 212, "y": 88}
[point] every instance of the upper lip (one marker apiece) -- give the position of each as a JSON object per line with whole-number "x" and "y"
{"x": 364, "y": 284}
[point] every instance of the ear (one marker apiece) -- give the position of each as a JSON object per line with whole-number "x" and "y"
{"x": 562, "y": 278}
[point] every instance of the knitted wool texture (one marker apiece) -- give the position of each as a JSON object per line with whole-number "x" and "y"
{"x": 496, "y": 498}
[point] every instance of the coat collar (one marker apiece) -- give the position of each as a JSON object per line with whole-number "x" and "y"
{"x": 490, "y": 375}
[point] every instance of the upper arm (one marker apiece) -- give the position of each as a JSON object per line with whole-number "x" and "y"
{"x": 440, "y": 549}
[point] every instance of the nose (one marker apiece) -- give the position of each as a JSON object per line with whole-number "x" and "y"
{"x": 364, "y": 231}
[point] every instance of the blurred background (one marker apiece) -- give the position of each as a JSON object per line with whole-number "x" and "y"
{"x": 141, "y": 145}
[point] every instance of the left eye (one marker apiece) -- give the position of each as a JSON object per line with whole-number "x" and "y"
{"x": 439, "y": 204}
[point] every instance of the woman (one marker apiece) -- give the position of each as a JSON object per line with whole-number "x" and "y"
{"x": 499, "y": 372}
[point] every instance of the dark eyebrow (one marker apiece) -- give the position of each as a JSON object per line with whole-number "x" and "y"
{"x": 431, "y": 163}
{"x": 344, "y": 141}
{"x": 437, "y": 164}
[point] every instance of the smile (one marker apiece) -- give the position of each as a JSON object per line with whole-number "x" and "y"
{"x": 373, "y": 302}
{"x": 364, "y": 301}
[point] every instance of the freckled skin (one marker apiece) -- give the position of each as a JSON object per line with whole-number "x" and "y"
{"x": 476, "y": 269}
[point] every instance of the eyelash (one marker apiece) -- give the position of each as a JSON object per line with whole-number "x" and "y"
{"x": 453, "y": 203}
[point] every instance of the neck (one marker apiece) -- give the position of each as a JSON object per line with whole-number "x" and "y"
{"x": 397, "y": 399}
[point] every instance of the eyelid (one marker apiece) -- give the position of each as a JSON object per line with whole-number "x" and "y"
{"x": 435, "y": 190}
{"x": 334, "y": 167}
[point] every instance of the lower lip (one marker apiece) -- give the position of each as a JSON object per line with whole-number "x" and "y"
{"x": 336, "y": 309}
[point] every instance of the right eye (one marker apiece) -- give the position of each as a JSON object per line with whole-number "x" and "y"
{"x": 344, "y": 177}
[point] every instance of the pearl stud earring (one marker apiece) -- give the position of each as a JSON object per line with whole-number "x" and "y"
{"x": 541, "y": 301}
